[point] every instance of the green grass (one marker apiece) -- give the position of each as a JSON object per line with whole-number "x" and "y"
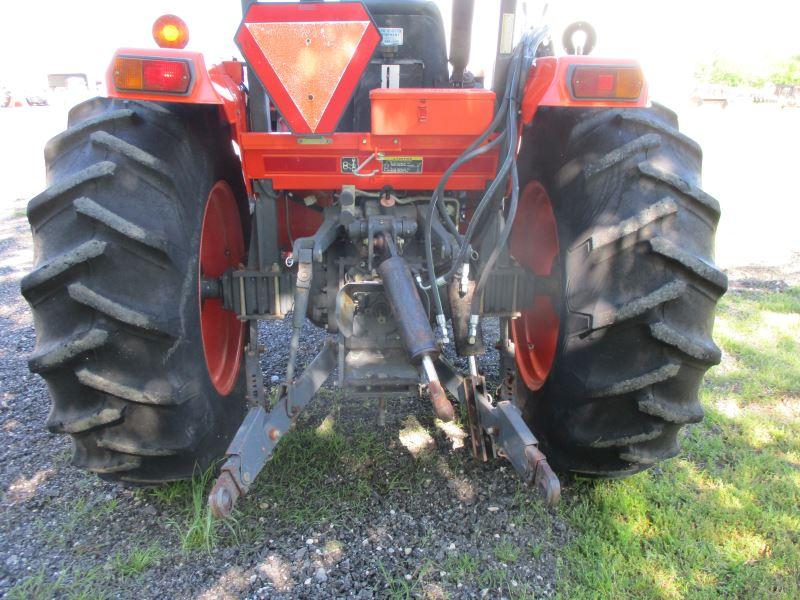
{"x": 196, "y": 527}
{"x": 323, "y": 474}
{"x": 80, "y": 515}
{"x": 86, "y": 584}
{"x": 402, "y": 587}
{"x": 137, "y": 561}
{"x": 462, "y": 566}
{"x": 507, "y": 552}
{"x": 91, "y": 583}
{"x": 722, "y": 519}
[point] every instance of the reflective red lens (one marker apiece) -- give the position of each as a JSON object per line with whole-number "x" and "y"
{"x": 165, "y": 76}
{"x": 152, "y": 75}
{"x": 607, "y": 83}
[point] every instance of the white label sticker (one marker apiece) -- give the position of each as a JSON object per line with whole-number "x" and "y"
{"x": 391, "y": 36}
{"x": 507, "y": 34}
{"x": 390, "y": 76}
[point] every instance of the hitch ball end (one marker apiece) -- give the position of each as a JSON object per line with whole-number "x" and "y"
{"x": 223, "y": 496}
{"x": 442, "y": 407}
{"x": 544, "y": 479}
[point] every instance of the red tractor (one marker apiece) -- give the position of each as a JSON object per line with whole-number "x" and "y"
{"x": 346, "y": 174}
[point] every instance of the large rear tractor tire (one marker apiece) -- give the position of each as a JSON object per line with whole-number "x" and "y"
{"x": 637, "y": 296}
{"x": 141, "y": 197}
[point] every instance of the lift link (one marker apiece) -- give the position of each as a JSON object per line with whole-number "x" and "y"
{"x": 263, "y": 425}
{"x": 262, "y": 429}
{"x": 502, "y": 422}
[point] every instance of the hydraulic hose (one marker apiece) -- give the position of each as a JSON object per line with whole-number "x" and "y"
{"x": 521, "y": 62}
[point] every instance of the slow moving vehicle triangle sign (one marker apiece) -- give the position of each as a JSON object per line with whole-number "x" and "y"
{"x": 309, "y": 57}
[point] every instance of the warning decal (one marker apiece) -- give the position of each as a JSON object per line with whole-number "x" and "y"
{"x": 348, "y": 164}
{"x": 401, "y": 164}
{"x": 391, "y": 36}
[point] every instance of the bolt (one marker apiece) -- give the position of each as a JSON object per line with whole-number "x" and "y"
{"x": 274, "y": 434}
{"x": 246, "y": 477}
{"x": 223, "y": 501}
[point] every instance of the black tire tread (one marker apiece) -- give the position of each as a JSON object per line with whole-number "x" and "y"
{"x": 143, "y": 159}
{"x": 640, "y": 288}
{"x": 61, "y": 143}
{"x": 51, "y": 198}
{"x": 113, "y": 289}
{"x": 92, "y": 210}
{"x": 604, "y": 236}
{"x": 57, "y": 355}
{"x": 693, "y": 193}
{"x": 130, "y": 393}
{"x": 698, "y": 267}
{"x": 618, "y": 155}
{"x": 85, "y": 295}
{"x": 44, "y": 274}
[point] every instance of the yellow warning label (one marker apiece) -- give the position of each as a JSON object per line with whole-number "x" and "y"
{"x": 401, "y": 164}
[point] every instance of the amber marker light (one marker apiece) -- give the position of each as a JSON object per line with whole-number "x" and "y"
{"x": 606, "y": 83}
{"x": 139, "y": 74}
{"x": 170, "y": 31}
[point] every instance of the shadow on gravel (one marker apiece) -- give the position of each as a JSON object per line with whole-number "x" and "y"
{"x": 347, "y": 507}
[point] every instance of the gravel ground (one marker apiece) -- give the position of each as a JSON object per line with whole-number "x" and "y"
{"x": 464, "y": 531}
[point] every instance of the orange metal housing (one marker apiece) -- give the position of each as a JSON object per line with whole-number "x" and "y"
{"x": 220, "y": 85}
{"x": 411, "y": 162}
{"x": 438, "y": 111}
{"x": 549, "y": 84}
{"x": 416, "y": 133}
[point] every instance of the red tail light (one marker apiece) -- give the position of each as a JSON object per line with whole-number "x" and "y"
{"x": 606, "y": 83}
{"x": 152, "y": 75}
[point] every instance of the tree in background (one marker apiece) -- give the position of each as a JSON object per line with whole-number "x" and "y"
{"x": 722, "y": 72}
{"x": 787, "y": 72}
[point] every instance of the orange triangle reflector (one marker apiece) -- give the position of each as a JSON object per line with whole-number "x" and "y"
{"x": 309, "y": 57}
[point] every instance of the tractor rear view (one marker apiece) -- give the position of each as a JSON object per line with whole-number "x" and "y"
{"x": 345, "y": 174}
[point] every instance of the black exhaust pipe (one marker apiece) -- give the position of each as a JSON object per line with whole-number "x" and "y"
{"x": 460, "y": 39}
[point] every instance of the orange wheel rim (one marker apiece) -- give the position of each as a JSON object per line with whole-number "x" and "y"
{"x": 534, "y": 245}
{"x": 221, "y": 248}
